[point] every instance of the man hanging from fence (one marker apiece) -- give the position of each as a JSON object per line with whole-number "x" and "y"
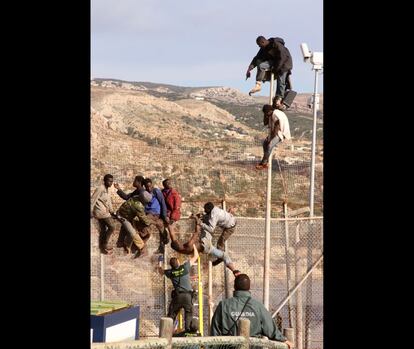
{"x": 156, "y": 209}
{"x": 278, "y": 124}
{"x": 187, "y": 247}
{"x": 274, "y": 56}
{"x": 201, "y": 239}
{"x": 132, "y": 216}
{"x": 230, "y": 310}
{"x": 181, "y": 296}
{"x": 101, "y": 209}
{"x": 224, "y": 220}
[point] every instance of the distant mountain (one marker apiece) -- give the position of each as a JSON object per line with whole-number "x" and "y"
{"x": 217, "y": 95}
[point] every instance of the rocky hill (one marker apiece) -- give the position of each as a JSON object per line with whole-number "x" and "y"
{"x": 207, "y": 142}
{"x": 220, "y": 94}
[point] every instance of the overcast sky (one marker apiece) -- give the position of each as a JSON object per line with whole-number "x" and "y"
{"x": 200, "y": 43}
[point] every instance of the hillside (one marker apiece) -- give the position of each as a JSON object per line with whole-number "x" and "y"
{"x": 209, "y": 145}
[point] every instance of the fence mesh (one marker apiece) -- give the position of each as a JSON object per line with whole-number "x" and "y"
{"x": 138, "y": 282}
{"x": 210, "y": 159}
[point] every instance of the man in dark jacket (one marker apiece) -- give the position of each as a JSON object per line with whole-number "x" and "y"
{"x": 138, "y": 184}
{"x": 274, "y": 56}
{"x": 242, "y": 305}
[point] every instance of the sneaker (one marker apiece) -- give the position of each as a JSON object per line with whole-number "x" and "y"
{"x": 161, "y": 249}
{"x": 217, "y": 262}
{"x": 261, "y": 166}
{"x": 257, "y": 88}
{"x": 164, "y": 238}
{"x": 106, "y": 251}
{"x": 137, "y": 254}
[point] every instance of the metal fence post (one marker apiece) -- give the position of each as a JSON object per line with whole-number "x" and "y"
{"x": 285, "y": 210}
{"x": 266, "y": 279}
{"x": 226, "y": 275}
{"x": 102, "y": 277}
{"x": 300, "y": 270}
{"x": 210, "y": 294}
{"x": 243, "y": 329}
{"x": 289, "y": 333}
{"x": 166, "y": 330}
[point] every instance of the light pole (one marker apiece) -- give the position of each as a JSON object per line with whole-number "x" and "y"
{"x": 316, "y": 59}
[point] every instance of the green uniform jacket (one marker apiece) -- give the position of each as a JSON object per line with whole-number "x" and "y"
{"x": 133, "y": 208}
{"x": 228, "y": 310}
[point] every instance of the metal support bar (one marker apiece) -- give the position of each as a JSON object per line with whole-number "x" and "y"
{"x": 312, "y": 179}
{"x": 210, "y": 294}
{"x": 102, "y": 278}
{"x": 297, "y": 286}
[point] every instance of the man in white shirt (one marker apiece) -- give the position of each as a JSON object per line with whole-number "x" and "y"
{"x": 278, "y": 124}
{"x": 217, "y": 217}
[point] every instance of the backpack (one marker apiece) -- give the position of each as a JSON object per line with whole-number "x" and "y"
{"x": 130, "y": 208}
{"x": 280, "y": 40}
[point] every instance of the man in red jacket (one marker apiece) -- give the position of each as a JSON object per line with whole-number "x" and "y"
{"x": 173, "y": 201}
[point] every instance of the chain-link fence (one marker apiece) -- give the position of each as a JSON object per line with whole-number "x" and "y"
{"x": 138, "y": 282}
{"x": 210, "y": 155}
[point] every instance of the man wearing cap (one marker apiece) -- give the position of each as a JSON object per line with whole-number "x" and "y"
{"x": 242, "y": 305}
{"x": 182, "y": 293}
{"x": 130, "y": 214}
{"x": 278, "y": 124}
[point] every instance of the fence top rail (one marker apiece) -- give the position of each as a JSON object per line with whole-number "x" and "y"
{"x": 208, "y": 340}
{"x": 178, "y": 342}
{"x": 266, "y": 343}
{"x": 146, "y": 343}
{"x": 282, "y": 219}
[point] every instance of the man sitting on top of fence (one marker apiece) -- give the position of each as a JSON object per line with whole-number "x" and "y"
{"x": 230, "y": 310}
{"x": 131, "y": 214}
{"x": 156, "y": 209}
{"x": 173, "y": 202}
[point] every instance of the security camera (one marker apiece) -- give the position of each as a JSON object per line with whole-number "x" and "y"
{"x": 305, "y": 51}
{"x": 317, "y": 58}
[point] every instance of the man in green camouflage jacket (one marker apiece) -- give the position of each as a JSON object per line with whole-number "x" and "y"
{"x": 130, "y": 214}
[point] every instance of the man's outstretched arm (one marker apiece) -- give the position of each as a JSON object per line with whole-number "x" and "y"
{"x": 194, "y": 258}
